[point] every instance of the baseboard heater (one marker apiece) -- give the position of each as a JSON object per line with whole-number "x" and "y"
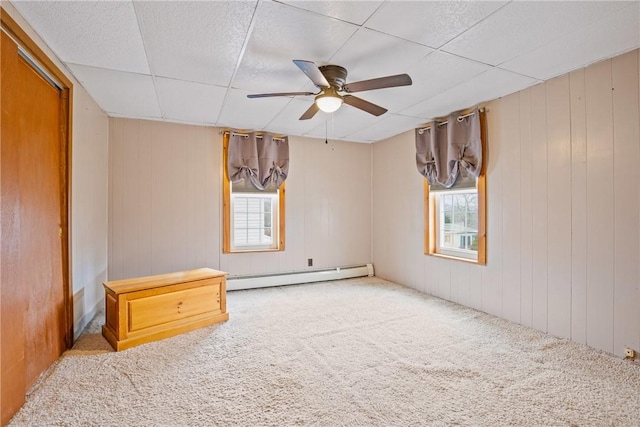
{"x": 294, "y": 278}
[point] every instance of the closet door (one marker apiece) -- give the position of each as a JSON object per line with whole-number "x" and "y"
{"x": 33, "y": 303}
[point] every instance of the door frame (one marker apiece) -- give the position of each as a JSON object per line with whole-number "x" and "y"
{"x": 10, "y": 26}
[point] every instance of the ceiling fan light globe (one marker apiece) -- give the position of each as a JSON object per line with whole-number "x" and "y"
{"x": 328, "y": 104}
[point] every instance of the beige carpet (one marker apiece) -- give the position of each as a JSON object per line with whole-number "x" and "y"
{"x": 360, "y": 352}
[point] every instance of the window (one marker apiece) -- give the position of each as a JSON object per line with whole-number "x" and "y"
{"x": 457, "y": 219}
{"x": 455, "y": 222}
{"x": 252, "y": 220}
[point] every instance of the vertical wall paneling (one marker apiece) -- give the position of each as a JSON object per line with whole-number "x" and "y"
{"x": 444, "y": 279}
{"x": 526, "y": 206}
{"x": 511, "y": 192}
{"x": 626, "y": 161}
{"x": 577, "y": 210}
{"x": 144, "y": 199}
{"x": 600, "y": 206}
{"x": 579, "y": 229}
{"x": 492, "y": 273}
{"x": 161, "y": 202}
{"x": 539, "y": 208}
{"x": 116, "y": 173}
{"x": 559, "y": 206}
{"x": 165, "y": 200}
{"x": 130, "y": 200}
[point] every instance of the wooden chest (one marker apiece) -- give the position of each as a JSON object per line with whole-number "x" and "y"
{"x": 151, "y": 308}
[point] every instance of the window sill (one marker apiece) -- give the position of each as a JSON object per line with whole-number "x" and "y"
{"x": 455, "y": 258}
{"x": 251, "y": 251}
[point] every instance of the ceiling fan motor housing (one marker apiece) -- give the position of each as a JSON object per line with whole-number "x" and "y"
{"x": 335, "y": 75}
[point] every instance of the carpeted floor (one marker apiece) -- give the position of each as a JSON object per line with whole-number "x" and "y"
{"x": 359, "y": 352}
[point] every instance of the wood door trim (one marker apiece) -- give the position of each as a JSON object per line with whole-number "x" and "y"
{"x": 66, "y": 105}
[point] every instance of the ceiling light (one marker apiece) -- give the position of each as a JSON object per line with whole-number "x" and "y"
{"x": 329, "y": 101}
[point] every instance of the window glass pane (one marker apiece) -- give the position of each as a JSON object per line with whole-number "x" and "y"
{"x": 457, "y": 223}
{"x": 253, "y": 220}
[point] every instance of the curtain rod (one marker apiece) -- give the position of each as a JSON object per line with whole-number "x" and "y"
{"x": 246, "y": 135}
{"x": 460, "y": 118}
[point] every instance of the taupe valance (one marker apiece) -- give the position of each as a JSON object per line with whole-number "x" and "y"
{"x": 257, "y": 162}
{"x": 273, "y": 158}
{"x": 445, "y": 151}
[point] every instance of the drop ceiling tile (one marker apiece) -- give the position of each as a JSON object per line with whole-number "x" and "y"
{"x": 196, "y": 41}
{"x": 356, "y": 12}
{"x": 487, "y": 86}
{"x": 280, "y": 35}
{"x": 188, "y": 101}
{"x": 615, "y": 34}
{"x": 432, "y": 23}
{"x": 287, "y": 121}
{"x": 347, "y": 120}
{"x": 239, "y": 112}
{"x": 117, "y": 92}
{"x": 523, "y": 26}
{"x": 390, "y": 125}
{"x": 432, "y": 75}
{"x": 101, "y": 34}
{"x": 370, "y": 54}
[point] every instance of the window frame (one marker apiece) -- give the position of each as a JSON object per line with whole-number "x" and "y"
{"x": 227, "y": 246}
{"x": 431, "y": 224}
{"x": 273, "y": 213}
{"x": 466, "y": 254}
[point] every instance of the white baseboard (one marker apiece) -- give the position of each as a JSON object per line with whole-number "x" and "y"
{"x": 295, "y": 278}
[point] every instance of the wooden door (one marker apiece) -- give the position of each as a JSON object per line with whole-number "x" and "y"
{"x": 33, "y": 303}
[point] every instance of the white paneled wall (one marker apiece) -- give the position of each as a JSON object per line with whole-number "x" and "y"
{"x": 166, "y": 203}
{"x": 563, "y": 210}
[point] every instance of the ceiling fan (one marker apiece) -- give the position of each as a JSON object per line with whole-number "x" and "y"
{"x": 331, "y": 79}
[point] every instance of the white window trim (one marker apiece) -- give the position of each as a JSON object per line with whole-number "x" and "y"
{"x": 452, "y": 252}
{"x": 274, "y": 222}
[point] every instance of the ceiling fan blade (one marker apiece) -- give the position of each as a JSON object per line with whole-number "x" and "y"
{"x": 367, "y": 106}
{"x": 313, "y": 72}
{"x": 379, "y": 83}
{"x": 310, "y": 112}
{"x": 266, "y": 95}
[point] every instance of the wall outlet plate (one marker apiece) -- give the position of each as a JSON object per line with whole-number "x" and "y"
{"x": 629, "y": 353}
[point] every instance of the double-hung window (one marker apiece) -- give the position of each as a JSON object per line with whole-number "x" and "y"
{"x": 449, "y": 154}
{"x": 253, "y": 220}
{"x": 455, "y": 220}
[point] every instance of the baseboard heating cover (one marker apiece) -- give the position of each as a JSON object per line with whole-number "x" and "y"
{"x": 295, "y": 278}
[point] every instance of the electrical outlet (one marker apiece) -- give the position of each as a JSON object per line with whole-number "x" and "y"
{"x": 629, "y": 353}
{"x": 310, "y": 262}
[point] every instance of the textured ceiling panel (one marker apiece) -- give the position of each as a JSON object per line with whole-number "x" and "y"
{"x": 100, "y": 34}
{"x": 618, "y": 33}
{"x": 484, "y": 87}
{"x": 240, "y": 114}
{"x": 432, "y": 23}
{"x": 528, "y": 25}
{"x": 386, "y": 128}
{"x": 287, "y": 120}
{"x": 347, "y": 120}
{"x": 432, "y": 75}
{"x": 119, "y": 93}
{"x": 356, "y": 12}
{"x": 369, "y": 54}
{"x": 195, "y": 41}
{"x": 281, "y": 34}
{"x": 204, "y": 57}
{"x": 190, "y": 102}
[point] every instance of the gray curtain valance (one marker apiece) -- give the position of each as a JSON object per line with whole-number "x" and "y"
{"x": 259, "y": 162}
{"x": 445, "y": 151}
{"x": 273, "y": 158}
